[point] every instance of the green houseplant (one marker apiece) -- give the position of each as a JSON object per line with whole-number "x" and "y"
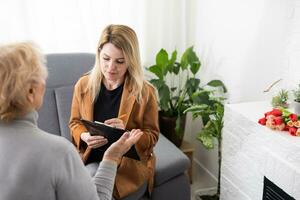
{"x": 179, "y": 89}
{"x": 281, "y": 99}
{"x": 296, "y": 94}
{"x": 212, "y": 116}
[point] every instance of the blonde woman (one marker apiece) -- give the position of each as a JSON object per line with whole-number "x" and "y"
{"x": 36, "y": 165}
{"x": 115, "y": 92}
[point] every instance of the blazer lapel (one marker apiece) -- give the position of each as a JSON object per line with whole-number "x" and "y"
{"x": 88, "y": 115}
{"x": 89, "y": 107}
{"x": 127, "y": 102}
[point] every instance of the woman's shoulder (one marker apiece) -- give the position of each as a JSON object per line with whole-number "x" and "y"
{"x": 47, "y": 137}
{"x": 53, "y": 142}
{"x": 82, "y": 83}
{"x": 83, "y": 80}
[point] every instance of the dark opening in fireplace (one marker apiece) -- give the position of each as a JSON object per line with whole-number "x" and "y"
{"x": 273, "y": 192}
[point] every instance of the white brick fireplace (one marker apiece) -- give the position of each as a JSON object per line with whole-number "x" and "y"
{"x": 252, "y": 151}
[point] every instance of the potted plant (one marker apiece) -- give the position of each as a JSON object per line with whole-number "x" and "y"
{"x": 212, "y": 116}
{"x": 281, "y": 99}
{"x": 297, "y": 100}
{"x": 179, "y": 89}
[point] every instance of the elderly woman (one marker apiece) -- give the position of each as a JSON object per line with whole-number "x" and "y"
{"x": 115, "y": 93}
{"x": 36, "y": 165}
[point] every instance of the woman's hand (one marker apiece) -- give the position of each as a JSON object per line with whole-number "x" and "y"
{"x": 120, "y": 147}
{"x": 93, "y": 141}
{"x": 115, "y": 122}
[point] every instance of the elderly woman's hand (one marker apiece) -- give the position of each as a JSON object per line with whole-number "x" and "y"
{"x": 120, "y": 147}
{"x": 93, "y": 141}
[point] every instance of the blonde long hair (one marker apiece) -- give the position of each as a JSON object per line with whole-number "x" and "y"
{"x": 124, "y": 38}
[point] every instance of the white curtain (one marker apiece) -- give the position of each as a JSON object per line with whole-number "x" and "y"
{"x": 248, "y": 44}
{"x": 76, "y": 25}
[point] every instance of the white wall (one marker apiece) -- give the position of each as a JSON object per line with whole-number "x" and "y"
{"x": 248, "y": 44}
{"x": 244, "y": 43}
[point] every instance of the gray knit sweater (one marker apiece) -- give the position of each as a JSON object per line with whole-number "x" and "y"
{"x": 35, "y": 165}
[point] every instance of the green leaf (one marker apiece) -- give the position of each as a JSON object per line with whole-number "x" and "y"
{"x": 201, "y": 97}
{"x": 173, "y": 57}
{"x": 163, "y": 93}
{"x": 176, "y": 68}
{"x": 192, "y": 84}
{"x": 157, "y": 70}
{"x": 194, "y": 61}
{"x": 217, "y": 83}
{"x": 164, "y": 96}
{"x": 195, "y": 66}
{"x": 162, "y": 61}
{"x": 157, "y": 83}
{"x": 196, "y": 108}
{"x": 206, "y": 139}
{"x": 171, "y": 62}
{"x": 216, "y": 128}
{"x": 184, "y": 62}
{"x": 162, "y": 58}
{"x": 205, "y": 119}
{"x": 220, "y": 108}
{"x": 190, "y": 57}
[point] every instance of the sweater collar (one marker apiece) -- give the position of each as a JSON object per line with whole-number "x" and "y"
{"x": 31, "y": 117}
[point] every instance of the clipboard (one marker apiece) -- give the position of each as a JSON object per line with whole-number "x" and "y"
{"x": 111, "y": 134}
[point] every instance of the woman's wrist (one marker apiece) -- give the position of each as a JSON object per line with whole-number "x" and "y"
{"x": 111, "y": 159}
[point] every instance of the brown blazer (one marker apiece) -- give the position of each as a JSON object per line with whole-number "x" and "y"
{"x": 131, "y": 174}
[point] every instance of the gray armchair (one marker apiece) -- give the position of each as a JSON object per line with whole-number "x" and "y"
{"x": 170, "y": 182}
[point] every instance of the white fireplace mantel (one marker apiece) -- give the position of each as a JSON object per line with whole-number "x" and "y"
{"x": 252, "y": 151}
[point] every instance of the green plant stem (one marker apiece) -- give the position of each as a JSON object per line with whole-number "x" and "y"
{"x": 180, "y": 99}
{"x": 171, "y": 93}
{"x": 179, "y": 84}
{"x": 171, "y": 106}
{"x": 219, "y": 162}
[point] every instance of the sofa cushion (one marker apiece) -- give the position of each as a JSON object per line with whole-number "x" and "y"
{"x": 66, "y": 69}
{"x": 48, "y": 118}
{"x": 176, "y": 188}
{"x": 63, "y": 96}
{"x": 167, "y": 167}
